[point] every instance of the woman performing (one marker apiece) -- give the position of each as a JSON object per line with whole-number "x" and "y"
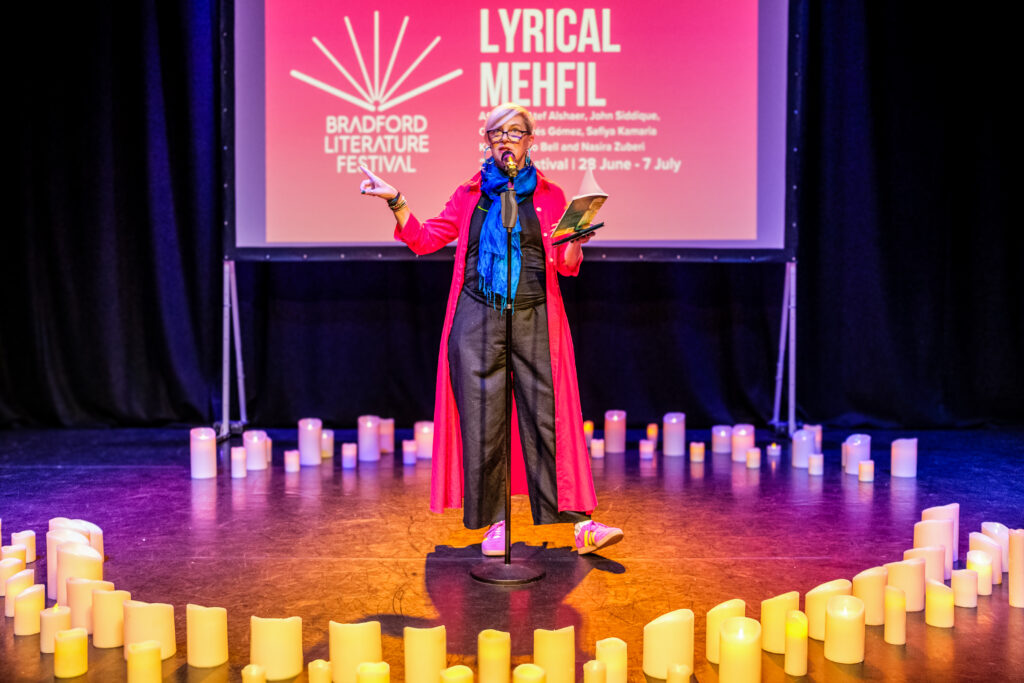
{"x": 469, "y": 410}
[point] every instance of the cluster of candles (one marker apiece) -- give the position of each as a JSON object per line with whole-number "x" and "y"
{"x": 375, "y": 435}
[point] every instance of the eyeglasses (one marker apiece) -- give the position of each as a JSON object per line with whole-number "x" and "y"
{"x": 513, "y": 134}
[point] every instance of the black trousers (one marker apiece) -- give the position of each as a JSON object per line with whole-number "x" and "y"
{"x": 476, "y": 359}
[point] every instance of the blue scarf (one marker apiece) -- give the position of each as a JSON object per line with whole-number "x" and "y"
{"x": 491, "y": 265}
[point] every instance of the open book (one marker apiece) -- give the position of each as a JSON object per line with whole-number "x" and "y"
{"x": 579, "y": 215}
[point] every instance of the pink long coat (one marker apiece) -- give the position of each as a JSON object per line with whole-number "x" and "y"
{"x": 573, "y": 477}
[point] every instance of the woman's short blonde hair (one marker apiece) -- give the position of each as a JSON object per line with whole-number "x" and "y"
{"x": 503, "y": 112}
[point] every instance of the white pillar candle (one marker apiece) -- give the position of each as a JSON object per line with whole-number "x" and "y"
{"x": 612, "y": 652}
{"x": 938, "y": 604}
{"x": 528, "y": 673}
{"x": 866, "y": 471}
{"x": 714, "y": 619}
{"x": 816, "y": 603}
{"x": 646, "y": 449}
{"x": 27, "y": 539}
{"x": 844, "y": 449}
{"x": 981, "y": 563}
{"x": 795, "y": 662}
{"x": 934, "y": 561}
{"x": 950, "y": 511}
{"x": 1015, "y": 567}
{"x": 310, "y": 435}
{"x": 594, "y": 671}
{"x": 668, "y": 640}
{"x": 269, "y": 444}
{"x": 319, "y": 671}
{"x": 994, "y": 530}
{"x": 555, "y": 652}
{"x": 697, "y": 451}
{"x": 588, "y": 431}
{"x": 150, "y": 621}
{"x": 17, "y": 552}
{"x": 615, "y": 431}
{"x": 206, "y": 636}
{"x": 349, "y": 456}
{"x": 9, "y": 568}
{"x": 869, "y": 588}
{"x": 673, "y": 430}
{"x": 740, "y": 651}
{"x": 27, "y": 606}
{"x": 276, "y": 644}
{"x": 254, "y": 673}
{"x": 327, "y": 443}
{"x": 387, "y": 435}
{"x": 494, "y": 654}
{"x": 426, "y": 653}
{"x": 52, "y": 620}
{"x": 409, "y": 452}
{"x": 858, "y": 447}
{"x": 802, "y": 448}
{"x": 80, "y": 600}
{"x": 908, "y": 576}
{"x": 933, "y": 532}
{"x": 55, "y": 538}
{"x": 742, "y": 441}
{"x": 292, "y": 461}
{"x": 964, "y": 583}
{"x": 753, "y": 458}
{"x": 144, "y": 664}
{"x": 815, "y": 431}
{"x": 350, "y": 645}
{"x": 721, "y": 439}
{"x": 238, "y": 462}
{"x": 904, "y": 458}
{"x": 652, "y": 432}
{"x": 369, "y": 438}
{"x": 844, "y": 630}
{"x": 773, "y": 620}
{"x": 597, "y": 448}
{"x": 203, "y": 451}
{"x": 92, "y": 532}
{"x": 423, "y": 432}
{"x": 70, "y": 653}
{"x": 678, "y": 673}
{"x": 255, "y": 444}
{"x": 979, "y": 541}
{"x": 816, "y": 464}
{"x": 774, "y": 450}
{"x": 78, "y": 560}
{"x": 108, "y": 617}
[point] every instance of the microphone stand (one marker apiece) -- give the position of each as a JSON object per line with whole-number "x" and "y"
{"x": 507, "y": 573}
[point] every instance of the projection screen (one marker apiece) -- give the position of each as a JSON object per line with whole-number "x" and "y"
{"x": 678, "y": 107}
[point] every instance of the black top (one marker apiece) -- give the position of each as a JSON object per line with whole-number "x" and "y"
{"x": 532, "y": 290}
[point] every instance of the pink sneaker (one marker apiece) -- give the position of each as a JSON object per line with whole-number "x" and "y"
{"x": 592, "y": 535}
{"x": 494, "y": 540}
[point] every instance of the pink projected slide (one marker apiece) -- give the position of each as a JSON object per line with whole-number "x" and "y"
{"x": 660, "y": 99}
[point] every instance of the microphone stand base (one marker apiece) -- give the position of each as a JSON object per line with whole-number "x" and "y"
{"x": 513, "y": 574}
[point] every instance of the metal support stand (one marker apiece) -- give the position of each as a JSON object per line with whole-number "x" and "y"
{"x": 231, "y": 327}
{"x": 507, "y": 573}
{"x": 787, "y": 338}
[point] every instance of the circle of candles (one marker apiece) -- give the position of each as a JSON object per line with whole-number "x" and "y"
{"x": 612, "y": 653}
{"x": 1015, "y": 567}
{"x": 697, "y": 451}
{"x": 895, "y": 632}
{"x": 409, "y": 452}
{"x": 964, "y": 583}
{"x": 27, "y": 539}
{"x": 740, "y": 650}
{"x": 326, "y": 444}
{"x": 908, "y": 575}
{"x": 597, "y": 448}
{"x": 802, "y": 448}
{"x": 255, "y": 443}
{"x": 721, "y": 439}
{"x": 646, "y": 449}
{"x": 774, "y": 450}
{"x": 588, "y": 431}
{"x": 938, "y": 604}
{"x": 866, "y": 471}
{"x": 673, "y": 440}
{"x": 795, "y": 662}
{"x": 310, "y": 436}
{"x": 423, "y": 432}
{"x": 742, "y": 441}
{"x": 70, "y": 653}
{"x": 668, "y": 639}
{"x": 844, "y": 629}
{"x": 292, "y": 461}
{"x": 753, "y": 458}
{"x": 981, "y": 563}
{"x": 858, "y": 447}
{"x": 816, "y": 464}
{"x": 869, "y": 587}
{"x": 349, "y": 456}
{"x": 615, "y": 431}
{"x": 203, "y": 452}
{"x": 369, "y": 438}
{"x": 904, "y": 458}
{"x": 387, "y": 435}
{"x": 238, "y": 462}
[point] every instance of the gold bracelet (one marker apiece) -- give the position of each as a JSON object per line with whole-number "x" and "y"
{"x": 398, "y": 207}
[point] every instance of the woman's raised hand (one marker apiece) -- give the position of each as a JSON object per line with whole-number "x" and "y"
{"x": 375, "y": 186}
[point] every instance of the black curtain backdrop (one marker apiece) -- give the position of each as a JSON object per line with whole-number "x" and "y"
{"x": 910, "y": 291}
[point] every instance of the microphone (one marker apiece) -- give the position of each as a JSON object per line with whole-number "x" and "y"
{"x": 509, "y": 160}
